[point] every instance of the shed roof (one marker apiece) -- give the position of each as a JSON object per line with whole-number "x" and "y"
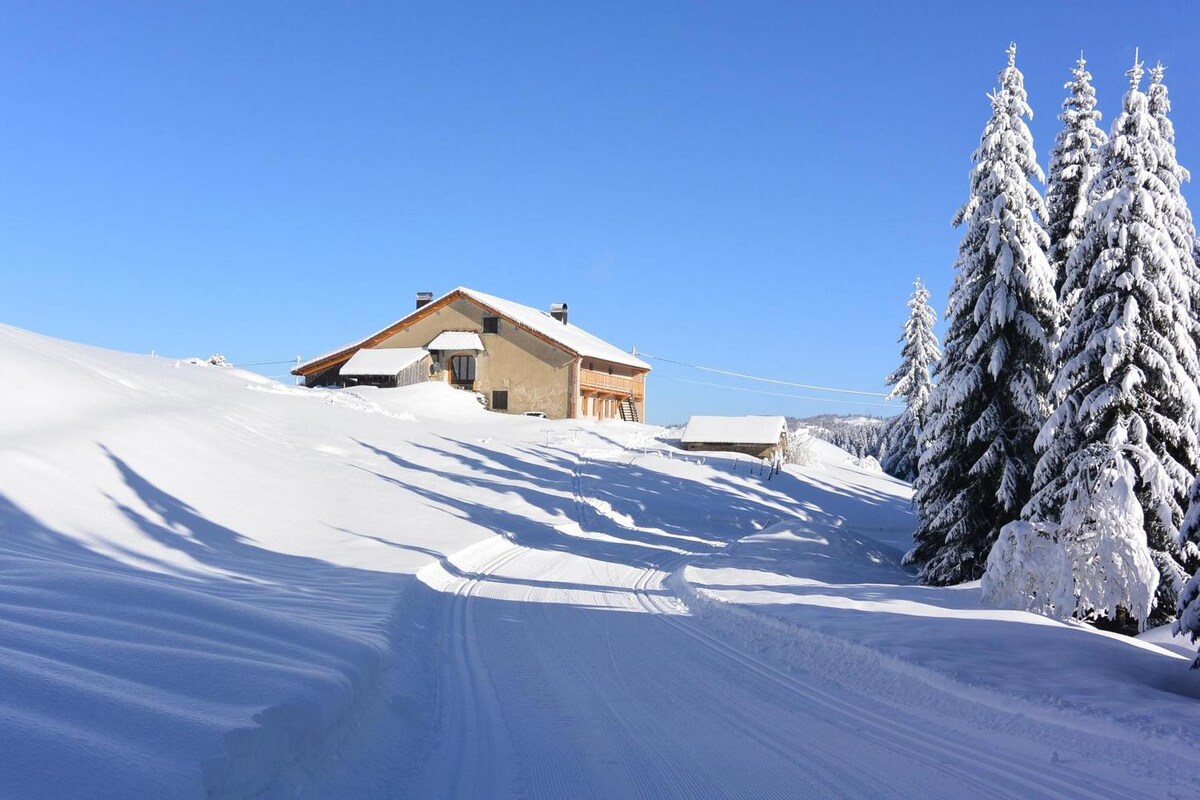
{"x": 382, "y": 361}
{"x": 456, "y": 340}
{"x": 734, "y": 430}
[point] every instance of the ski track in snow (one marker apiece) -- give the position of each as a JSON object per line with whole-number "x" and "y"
{"x": 606, "y": 686}
{"x": 550, "y": 701}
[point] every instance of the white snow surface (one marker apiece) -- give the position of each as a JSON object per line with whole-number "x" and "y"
{"x": 382, "y": 360}
{"x": 215, "y": 585}
{"x": 456, "y": 340}
{"x": 734, "y": 430}
{"x": 568, "y": 334}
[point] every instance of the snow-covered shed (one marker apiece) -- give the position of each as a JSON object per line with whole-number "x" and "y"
{"x": 388, "y": 367}
{"x": 755, "y": 436}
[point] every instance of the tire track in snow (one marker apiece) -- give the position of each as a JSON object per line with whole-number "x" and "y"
{"x": 1033, "y": 780}
{"x": 474, "y": 729}
{"x": 580, "y": 677}
{"x": 827, "y": 771}
{"x": 971, "y": 765}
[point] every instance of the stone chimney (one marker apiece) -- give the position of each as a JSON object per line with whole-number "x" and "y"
{"x": 424, "y": 298}
{"x": 559, "y": 312}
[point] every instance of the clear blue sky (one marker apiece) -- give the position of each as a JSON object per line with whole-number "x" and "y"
{"x": 751, "y": 186}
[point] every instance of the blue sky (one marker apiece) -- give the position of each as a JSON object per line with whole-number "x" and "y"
{"x": 751, "y": 186}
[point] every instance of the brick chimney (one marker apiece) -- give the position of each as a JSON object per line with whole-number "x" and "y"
{"x": 559, "y": 312}
{"x": 424, "y": 298}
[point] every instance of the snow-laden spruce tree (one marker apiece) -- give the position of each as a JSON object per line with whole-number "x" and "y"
{"x": 1188, "y": 623}
{"x": 1127, "y": 357}
{"x": 978, "y": 454}
{"x": 1095, "y": 563}
{"x": 919, "y": 354}
{"x": 1183, "y": 236}
{"x": 1074, "y": 165}
{"x": 1173, "y": 176}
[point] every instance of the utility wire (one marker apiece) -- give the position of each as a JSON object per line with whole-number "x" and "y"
{"x": 776, "y": 394}
{"x": 265, "y": 363}
{"x": 764, "y": 380}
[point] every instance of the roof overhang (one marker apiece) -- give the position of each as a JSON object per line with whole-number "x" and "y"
{"x": 382, "y": 361}
{"x": 456, "y": 340}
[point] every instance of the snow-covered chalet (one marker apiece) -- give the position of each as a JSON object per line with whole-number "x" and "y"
{"x": 521, "y": 359}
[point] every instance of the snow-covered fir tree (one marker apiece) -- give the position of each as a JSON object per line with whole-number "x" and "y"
{"x": 1183, "y": 236}
{"x": 1175, "y": 208}
{"x": 1188, "y": 623}
{"x": 978, "y": 454}
{"x": 1074, "y": 164}
{"x": 1095, "y": 562}
{"x": 1127, "y": 357}
{"x": 911, "y": 381}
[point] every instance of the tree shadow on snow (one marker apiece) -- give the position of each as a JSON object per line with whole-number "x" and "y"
{"x": 189, "y": 639}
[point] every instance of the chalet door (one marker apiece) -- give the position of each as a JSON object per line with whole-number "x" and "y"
{"x": 462, "y": 370}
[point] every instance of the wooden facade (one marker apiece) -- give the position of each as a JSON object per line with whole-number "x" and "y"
{"x": 604, "y": 390}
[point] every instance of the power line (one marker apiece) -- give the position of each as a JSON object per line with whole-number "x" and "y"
{"x": 777, "y": 394}
{"x": 765, "y": 380}
{"x": 265, "y": 363}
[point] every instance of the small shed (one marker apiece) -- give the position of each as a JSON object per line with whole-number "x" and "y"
{"x": 387, "y": 367}
{"x": 761, "y": 437}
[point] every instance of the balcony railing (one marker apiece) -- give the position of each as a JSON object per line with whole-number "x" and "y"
{"x": 602, "y": 381}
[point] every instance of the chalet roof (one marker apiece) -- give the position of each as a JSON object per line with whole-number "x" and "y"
{"x": 456, "y": 340}
{"x": 734, "y": 430}
{"x": 570, "y": 337}
{"x": 382, "y": 361}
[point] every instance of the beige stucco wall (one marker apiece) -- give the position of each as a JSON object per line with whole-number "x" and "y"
{"x": 536, "y": 374}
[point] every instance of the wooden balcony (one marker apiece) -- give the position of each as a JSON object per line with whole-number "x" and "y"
{"x": 594, "y": 380}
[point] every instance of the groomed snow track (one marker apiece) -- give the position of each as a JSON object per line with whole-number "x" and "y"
{"x": 573, "y": 667}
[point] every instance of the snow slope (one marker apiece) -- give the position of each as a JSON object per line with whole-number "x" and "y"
{"x": 216, "y": 585}
{"x": 199, "y": 568}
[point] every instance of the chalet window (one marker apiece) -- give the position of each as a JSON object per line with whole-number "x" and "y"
{"x": 499, "y": 401}
{"x": 491, "y": 324}
{"x": 462, "y": 369}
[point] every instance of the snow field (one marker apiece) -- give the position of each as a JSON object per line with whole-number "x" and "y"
{"x": 212, "y": 585}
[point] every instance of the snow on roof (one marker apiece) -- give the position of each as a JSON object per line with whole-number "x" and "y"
{"x": 734, "y": 430}
{"x": 456, "y": 340}
{"x": 572, "y": 337}
{"x": 382, "y": 360}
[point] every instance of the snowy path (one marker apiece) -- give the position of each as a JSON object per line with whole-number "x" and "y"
{"x": 571, "y": 670}
{"x": 573, "y": 700}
